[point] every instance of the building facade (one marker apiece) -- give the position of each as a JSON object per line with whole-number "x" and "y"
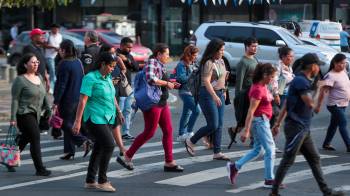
{"x": 172, "y": 21}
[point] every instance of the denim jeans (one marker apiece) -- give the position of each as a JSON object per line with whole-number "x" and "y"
{"x": 263, "y": 141}
{"x": 52, "y": 72}
{"x": 213, "y": 115}
{"x": 125, "y": 106}
{"x": 189, "y": 114}
{"x": 338, "y": 118}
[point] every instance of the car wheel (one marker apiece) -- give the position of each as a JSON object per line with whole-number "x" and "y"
{"x": 15, "y": 60}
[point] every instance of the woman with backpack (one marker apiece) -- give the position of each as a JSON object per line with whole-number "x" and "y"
{"x": 190, "y": 109}
{"x": 336, "y": 83}
{"x": 211, "y": 97}
{"x": 157, "y": 114}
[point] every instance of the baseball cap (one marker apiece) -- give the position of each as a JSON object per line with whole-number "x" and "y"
{"x": 311, "y": 58}
{"x": 36, "y": 31}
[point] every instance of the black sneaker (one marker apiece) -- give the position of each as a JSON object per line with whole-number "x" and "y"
{"x": 335, "y": 193}
{"x": 127, "y": 137}
{"x": 43, "y": 172}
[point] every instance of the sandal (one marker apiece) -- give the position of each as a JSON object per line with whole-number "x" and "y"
{"x": 221, "y": 157}
{"x": 189, "y": 149}
{"x": 126, "y": 164}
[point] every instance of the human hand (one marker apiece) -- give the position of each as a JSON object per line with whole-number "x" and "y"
{"x": 76, "y": 127}
{"x": 245, "y": 135}
{"x": 217, "y": 101}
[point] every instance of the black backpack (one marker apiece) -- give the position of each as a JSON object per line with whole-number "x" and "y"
{"x": 194, "y": 82}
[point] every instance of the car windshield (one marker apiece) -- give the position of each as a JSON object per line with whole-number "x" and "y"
{"x": 112, "y": 34}
{"x": 110, "y": 39}
{"x": 290, "y": 37}
{"x": 75, "y": 35}
{"x": 75, "y": 40}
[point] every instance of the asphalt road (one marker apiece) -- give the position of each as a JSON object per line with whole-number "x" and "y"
{"x": 202, "y": 175}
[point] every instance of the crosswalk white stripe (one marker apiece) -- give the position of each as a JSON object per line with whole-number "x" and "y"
{"x": 76, "y": 166}
{"x": 343, "y": 188}
{"x": 215, "y": 173}
{"x": 80, "y": 154}
{"x": 145, "y": 168}
{"x": 296, "y": 177}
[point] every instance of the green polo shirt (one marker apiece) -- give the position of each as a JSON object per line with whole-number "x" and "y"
{"x": 100, "y": 107}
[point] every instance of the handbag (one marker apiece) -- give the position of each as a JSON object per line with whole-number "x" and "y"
{"x": 9, "y": 151}
{"x": 146, "y": 95}
{"x": 56, "y": 121}
{"x": 124, "y": 87}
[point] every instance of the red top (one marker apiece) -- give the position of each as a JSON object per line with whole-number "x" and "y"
{"x": 260, "y": 92}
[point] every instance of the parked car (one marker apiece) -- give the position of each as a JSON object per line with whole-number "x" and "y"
{"x": 324, "y": 46}
{"x": 290, "y": 25}
{"x": 139, "y": 52}
{"x": 16, "y": 46}
{"x": 270, "y": 38}
{"x": 324, "y": 30}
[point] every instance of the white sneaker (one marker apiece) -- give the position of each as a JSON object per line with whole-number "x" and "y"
{"x": 181, "y": 138}
{"x": 189, "y": 135}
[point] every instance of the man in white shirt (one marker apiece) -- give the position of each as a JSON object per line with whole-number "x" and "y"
{"x": 14, "y": 31}
{"x": 52, "y": 45}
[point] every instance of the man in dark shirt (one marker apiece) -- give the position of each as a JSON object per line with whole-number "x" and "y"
{"x": 36, "y": 47}
{"x": 125, "y": 103}
{"x": 244, "y": 79}
{"x": 299, "y": 109}
{"x": 90, "y": 54}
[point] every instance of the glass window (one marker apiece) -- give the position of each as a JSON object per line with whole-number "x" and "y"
{"x": 266, "y": 37}
{"x": 217, "y": 32}
{"x": 239, "y": 34}
{"x": 229, "y": 33}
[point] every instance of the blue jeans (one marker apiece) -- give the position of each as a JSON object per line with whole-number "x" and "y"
{"x": 263, "y": 141}
{"x": 213, "y": 115}
{"x": 189, "y": 114}
{"x": 338, "y": 118}
{"x": 125, "y": 106}
{"x": 52, "y": 73}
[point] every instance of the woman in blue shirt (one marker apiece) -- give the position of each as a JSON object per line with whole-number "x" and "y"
{"x": 97, "y": 106}
{"x": 190, "y": 109}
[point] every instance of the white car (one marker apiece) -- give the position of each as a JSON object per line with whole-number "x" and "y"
{"x": 327, "y": 31}
{"x": 270, "y": 38}
{"x": 324, "y": 46}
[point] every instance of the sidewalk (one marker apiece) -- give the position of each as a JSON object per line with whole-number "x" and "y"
{"x": 5, "y": 100}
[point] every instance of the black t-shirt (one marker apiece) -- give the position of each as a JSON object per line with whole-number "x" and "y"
{"x": 130, "y": 63}
{"x": 89, "y": 57}
{"x": 165, "y": 92}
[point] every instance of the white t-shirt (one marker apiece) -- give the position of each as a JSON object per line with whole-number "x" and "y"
{"x": 55, "y": 41}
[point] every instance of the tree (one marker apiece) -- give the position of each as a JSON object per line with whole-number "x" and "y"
{"x": 45, "y": 4}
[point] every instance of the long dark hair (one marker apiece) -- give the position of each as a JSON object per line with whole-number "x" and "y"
{"x": 159, "y": 48}
{"x": 336, "y": 59}
{"x": 261, "y": 70}
{"x": 210, "y": 51}
{"x": 104, "y": 58}
{"x": 69, "y": 49}
{"x": 21, "y": 69}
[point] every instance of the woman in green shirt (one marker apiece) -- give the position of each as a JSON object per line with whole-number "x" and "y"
{"x": 28, "y": 99}
{"x": 97, "y": 106}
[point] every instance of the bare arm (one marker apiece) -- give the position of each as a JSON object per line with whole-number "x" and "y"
{"x": 81, "y": 106}
{"x": 254, "y": 103}
{"x": 324, "y": 90}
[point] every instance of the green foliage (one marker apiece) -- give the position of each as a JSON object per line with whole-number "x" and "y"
{"x": 45, "y": 4}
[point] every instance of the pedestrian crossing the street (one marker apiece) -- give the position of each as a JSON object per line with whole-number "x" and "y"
{"x": 199, "y": 170}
